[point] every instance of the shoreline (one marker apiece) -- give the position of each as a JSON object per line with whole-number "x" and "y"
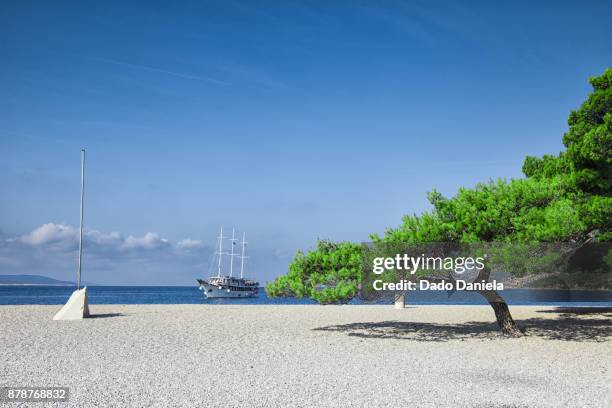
{"x": 58, "y": 295}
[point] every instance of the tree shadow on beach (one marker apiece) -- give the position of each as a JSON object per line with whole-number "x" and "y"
{"x": 564, "y": 328}
{"x": 104, "y": 315}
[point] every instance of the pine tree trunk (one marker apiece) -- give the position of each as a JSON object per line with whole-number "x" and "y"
{"x": 400, "y": 301}
{"x": 502, "y": 313}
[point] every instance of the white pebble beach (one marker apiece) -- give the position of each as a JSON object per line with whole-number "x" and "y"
{"x": 309, "y": 356}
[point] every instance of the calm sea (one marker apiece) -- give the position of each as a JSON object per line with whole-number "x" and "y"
{"x": 56, "y": 295}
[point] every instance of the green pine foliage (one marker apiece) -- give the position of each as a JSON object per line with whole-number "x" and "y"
{"x": 329, "y": 274}
{"x": 564, "y": 198}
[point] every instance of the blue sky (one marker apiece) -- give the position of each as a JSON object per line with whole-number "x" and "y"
{"x": 288, "y": 120}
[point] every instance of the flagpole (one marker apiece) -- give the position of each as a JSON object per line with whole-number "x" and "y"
{"x": 77, "y": 306}
{"x": 81, "y": 221}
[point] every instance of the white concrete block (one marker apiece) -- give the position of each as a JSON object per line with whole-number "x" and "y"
{"x": 76, "y": 308}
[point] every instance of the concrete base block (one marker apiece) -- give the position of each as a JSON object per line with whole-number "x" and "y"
{"x": 76, "y": 308}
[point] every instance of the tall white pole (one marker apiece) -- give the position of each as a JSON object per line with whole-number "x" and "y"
{"x": 220, "y": 251}
{"x": 242, "y": 257}
{"x": 81, "y": 222}
{"x": 232, "y": 253}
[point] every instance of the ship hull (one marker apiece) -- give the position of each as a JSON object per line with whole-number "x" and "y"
{"x": 211, "y": 291}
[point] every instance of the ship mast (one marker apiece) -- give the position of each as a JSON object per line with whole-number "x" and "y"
{"x": 232, "y": 253}
{"x": 242, "y": 258}
{"x": 220, "y": 253}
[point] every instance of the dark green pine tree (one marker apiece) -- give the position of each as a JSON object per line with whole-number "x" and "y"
{"x": 564, "y": 198}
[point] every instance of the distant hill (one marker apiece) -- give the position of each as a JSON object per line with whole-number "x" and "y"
{"x": 32, "y": 280}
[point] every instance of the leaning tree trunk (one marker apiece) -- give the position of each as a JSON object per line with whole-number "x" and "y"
{"x": 502, "y": 313}
{"x": 400, "y": 301}
{"x": 504, "y": 319}
{"x": 500, "y": 307}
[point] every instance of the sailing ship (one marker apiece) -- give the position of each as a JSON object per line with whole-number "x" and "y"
{"x": 228, "y": 286}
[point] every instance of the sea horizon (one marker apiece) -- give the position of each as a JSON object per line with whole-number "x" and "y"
{"x": 175, "y": 294}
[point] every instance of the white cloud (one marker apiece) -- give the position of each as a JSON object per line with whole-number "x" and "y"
{"x": 49, "y": 234}
{"x": 109, "y": 257}
{"x": 62, "y": 237}
{"x": 188, "y": 244}
{"x": 150, "y": 240}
